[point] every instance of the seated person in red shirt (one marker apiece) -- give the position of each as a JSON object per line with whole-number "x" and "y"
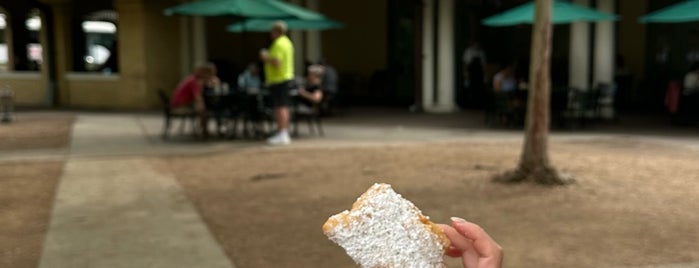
{"x": 312, "y": 94}
{"x": 188, "y": 95}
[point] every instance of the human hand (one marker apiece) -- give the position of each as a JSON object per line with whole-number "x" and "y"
{"x": 264, "y": 53}
{"x": 470, "y": 242}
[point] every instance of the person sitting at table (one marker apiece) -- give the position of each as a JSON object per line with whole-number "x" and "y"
{"x": 188, "y": 94}
{"x": 689, "y": 101}
{"x": 691, "y": 80}
{"x": 504, "y": 81}
{"x": 250, "y": 78}
{"x": 312, "y": 94}
{"x": 506, "y": 99}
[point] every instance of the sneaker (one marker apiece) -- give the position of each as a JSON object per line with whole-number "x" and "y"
{"x": 281, "y": 138}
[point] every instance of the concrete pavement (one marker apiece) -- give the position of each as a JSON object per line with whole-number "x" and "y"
{"x": 115, "y": 212}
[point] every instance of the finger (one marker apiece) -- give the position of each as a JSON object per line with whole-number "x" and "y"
{"x": 458, "y": 241}
{"x": 453, "y": 252}
{"x": 482, "y": 242}
{"x": 460, "y": 247}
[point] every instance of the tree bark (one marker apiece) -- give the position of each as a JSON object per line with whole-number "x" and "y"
{"x": 534, "y": 164}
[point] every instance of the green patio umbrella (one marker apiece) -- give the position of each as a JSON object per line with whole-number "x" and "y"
{"x": 265, "y": 25}
{"x": 563, "y": 12}
{"x": 681, "y": 12}
{"x": 243, "y": 8}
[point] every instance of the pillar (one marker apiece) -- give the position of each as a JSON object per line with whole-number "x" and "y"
{"x": 296, "y": 37}
{"x": 604, "y": 45}
{"x": 62, "y": 48}
{"x": 132, "y": 54}
{"x": 579, "y": 57}
{"x": 314, "y": 46}
{"x": 199, "y": 41}
{"x": 186, "y": 41}
{"x": 445, "y": 57}
{"x": 428, "y": 54}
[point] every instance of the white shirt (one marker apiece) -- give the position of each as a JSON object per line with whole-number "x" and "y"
{"x": 472, "y": 53}
{"x": 691, "y": 82}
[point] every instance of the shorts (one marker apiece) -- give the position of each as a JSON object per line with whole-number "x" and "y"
{"x": 280, "y": 94}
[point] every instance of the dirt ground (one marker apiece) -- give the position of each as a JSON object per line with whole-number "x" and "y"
{"x": 26, "y": 195}
{"x": 27, "y": 189}
{"x": 36, "y": 132}
{"x": 634, "y": 203}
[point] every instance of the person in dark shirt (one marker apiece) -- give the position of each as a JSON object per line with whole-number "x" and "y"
{"x": 312, "y": 93}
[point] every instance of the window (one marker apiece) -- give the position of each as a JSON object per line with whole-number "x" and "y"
{"x": 34, "y": 48}
{"x": 101, "y": 50}
{"x": 24, "y": 51}
{"x": 4, "y": 56}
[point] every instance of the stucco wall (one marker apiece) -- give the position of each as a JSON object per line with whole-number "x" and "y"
{"x": 132, "y": 54}
{"x": 360, "y": 47}
{"x": 96, "y": 91}
{"x": 29, "y": 88}
{"x": 162, "y": 45}
{"x": 632, "y": 34}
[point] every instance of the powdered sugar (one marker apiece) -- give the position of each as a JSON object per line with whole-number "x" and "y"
{"x": 386, "y": 230}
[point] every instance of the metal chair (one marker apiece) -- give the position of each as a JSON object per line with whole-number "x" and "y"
{"x": 310, "y": 114}
{"x": 583, "y": 105}
{"x": 169, "y": 115}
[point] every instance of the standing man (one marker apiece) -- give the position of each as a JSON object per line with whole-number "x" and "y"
{"x": 279, "y": 73}
{"x": 474, "y": 79}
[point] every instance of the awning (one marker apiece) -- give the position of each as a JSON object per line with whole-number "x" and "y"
{"x": 243, "y": 8}
{"x": 265, "y": 25}
{"x": 563, "y": 12}
{"x": 681, "y": 12}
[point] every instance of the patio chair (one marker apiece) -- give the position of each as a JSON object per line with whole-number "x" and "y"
{"x": 257, "y": 113}
{"x": 605, "y": 102}
{"x": 310, "y": 114}
{"x": 505, "y": 109}
{"x": 583, "y": 106}
{"x": 169, "y": 115}
{"x": 226, "y": 109}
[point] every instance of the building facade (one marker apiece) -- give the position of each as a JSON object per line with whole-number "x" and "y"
{"x": 116, "y": 54}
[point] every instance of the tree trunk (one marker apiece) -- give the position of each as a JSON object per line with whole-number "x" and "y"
{"x": 534, "y": 162}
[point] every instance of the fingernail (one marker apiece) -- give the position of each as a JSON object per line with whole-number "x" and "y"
{"x": 457, "y": 219}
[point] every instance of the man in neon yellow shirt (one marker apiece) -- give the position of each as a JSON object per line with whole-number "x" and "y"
{"x": 279, "y": 73}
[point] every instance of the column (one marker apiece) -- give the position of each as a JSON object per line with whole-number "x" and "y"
{"x": 299, "y": 59}
{"x": 186, "y": 46}
{"x": 428, "y": 54}
{"x": 297, "y": 39}
{"x": 132, "y": 33}
{"x": 62, "y": 48}
{"x": 604, "y": 45}
{"x": 579, "y": 57}
{"x": 314, "y": 46}
{"x": 445, "y": 57}
{"x": 199, "y": 41}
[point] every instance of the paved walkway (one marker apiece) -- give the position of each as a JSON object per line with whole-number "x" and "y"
{"x": 114, "y": 207}
{"x": 115, "y": 212}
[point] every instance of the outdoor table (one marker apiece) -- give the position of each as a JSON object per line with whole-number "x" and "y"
{"x": 256, "y": 108}
{"x": 222, "y": 104}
